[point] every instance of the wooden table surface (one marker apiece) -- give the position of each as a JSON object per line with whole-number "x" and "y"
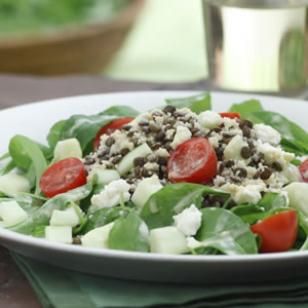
{"x": 15, "y": 291}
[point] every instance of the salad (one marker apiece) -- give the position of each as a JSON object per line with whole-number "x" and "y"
{"x": 180, "y": 179}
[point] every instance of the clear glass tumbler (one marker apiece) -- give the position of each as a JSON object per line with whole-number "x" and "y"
{"x": 257, "y": 45}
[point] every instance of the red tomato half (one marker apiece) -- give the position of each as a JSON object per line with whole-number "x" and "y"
{"x": 230, "y": 115}
{"x": 303, "y": 169}
{"x": 63, "y": 176}
{"x": 110, "y": 128}
{"x": 278, "y": 232}
{"x": 193, "y": 161}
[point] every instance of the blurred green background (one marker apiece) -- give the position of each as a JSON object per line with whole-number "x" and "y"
{"x": 167, "y": 44}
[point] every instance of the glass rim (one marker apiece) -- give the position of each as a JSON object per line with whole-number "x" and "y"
{"x": 264, "y": 4}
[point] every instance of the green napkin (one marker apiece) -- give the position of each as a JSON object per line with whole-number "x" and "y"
{"x": 59, "y": 288}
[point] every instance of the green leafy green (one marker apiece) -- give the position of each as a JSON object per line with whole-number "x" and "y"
{"x": 199, "y": 103}
{"x": 270, "y": 204}
{"x": 85, "y": 127}
{"x": 9, "y": 166}
{"x": 128, "y": 234}
{"x": 26, "y": 153}
{"x": 247, "y": 107}
{"x": 103, "y": 217}
{"x": 42, "y": 215}
{"x": 171, "y": 200}
{"x": 224, "y": 231}
{"x": 294, "y": 138}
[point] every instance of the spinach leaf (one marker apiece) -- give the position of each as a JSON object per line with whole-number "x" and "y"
{"x": 26, "y": 153}
{"x": 224, "y": 231}
{"x": 247, "y": 107}
{"x": 270, "y": 204}
{"x": 103, "y": 217}
{"x": 171, "y": 200}
{"x": 128, "y": 234}
{"x": 197, "y": 104}
{"x": 42, "y": 215}
{"x": 4, "y": 156}
{"x": 85, "y": 127}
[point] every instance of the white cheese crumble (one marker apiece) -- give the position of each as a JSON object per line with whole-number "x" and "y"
{"x": 121, "y": 142}
{"x": 234, "y": 147}
{"x": 210, "y": 119}
{"x": 244, "y": 194}
{"x": 267, "y": 134}
{"x": 162, "y": 152}
{"x": 112, "y": 195}
{"x": 189, "y": 220}
{"x": 274, "y": 154}
{"x": 182, "y": 134}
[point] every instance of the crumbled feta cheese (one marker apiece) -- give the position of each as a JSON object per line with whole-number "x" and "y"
{"x": 121, "y": 142}
{"x": 209, "y": 119}
{"x": 162, "y": 152}
{"x": 112, "y": 195}
{"x": 267, "y": 134}
{"x": 244, "y": 194}
{"x": 214, "y": 140}
{"x": 182, "y": 134}
{"x": 189, "y": 220}
{"x": 274, "y": 154}
{"x": 234, "y": 147}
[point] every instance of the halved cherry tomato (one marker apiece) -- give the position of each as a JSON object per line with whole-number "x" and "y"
{"x": 230, "y": 115}
{"x": 110, "y": 128}
{"x": 63, "y": 176}
{"x": 278, "y": 232}
{"x": 303, "y": 169}
{"x": 193, "y": 161}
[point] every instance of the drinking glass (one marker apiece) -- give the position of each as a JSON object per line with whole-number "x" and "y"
{"x": 257, "y": 45}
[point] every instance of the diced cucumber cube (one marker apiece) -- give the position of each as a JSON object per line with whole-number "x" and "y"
{"x": 69, "y": 217}
{"x": 168, "y": 240}
{"x": 13, "y": 183}
{"x": 104, "y": 176}
{"x": 97, "y": 238}
{"x": 127, "y": 163}
{"x": 67, "y": 148}
{"x": 298, "y": 196}
{"x": 145, "y": 189}
{"x": 12, "y": 213}
{"x": 59, "y": 234}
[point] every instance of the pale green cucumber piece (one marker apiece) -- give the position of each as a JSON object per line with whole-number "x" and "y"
{"x": 60, "y": 234}
{"x": 12, "y": 213}
{"x": 298, "y": 196}
{"x": 13, "y": 183}
{"x": 97, "y": 238}
{"x": 68, "y": 217}
{"x": 127, "y": 162}
{"x": 104, "y": 176}
{"x": 67, "y": 148}
{"x": 168, "y": 240}
{"x": 145, "y": 189}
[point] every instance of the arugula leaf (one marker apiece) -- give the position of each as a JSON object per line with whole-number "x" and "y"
{"x": 171, "y": 200}
{"x": 224, "y": 231}
{"x": 85, "y": 127}
{"x": 128, "y": 234}
{"x": 198, "y": 103}
{"x": 9, "y": 166}
{"x": 42, "y": 215}
{"x": 26, "y": 153}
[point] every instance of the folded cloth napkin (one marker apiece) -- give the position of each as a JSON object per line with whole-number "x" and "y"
{"x": 59, "y": 288}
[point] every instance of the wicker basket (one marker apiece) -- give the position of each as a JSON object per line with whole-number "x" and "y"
{"x": 85, "y": 49}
